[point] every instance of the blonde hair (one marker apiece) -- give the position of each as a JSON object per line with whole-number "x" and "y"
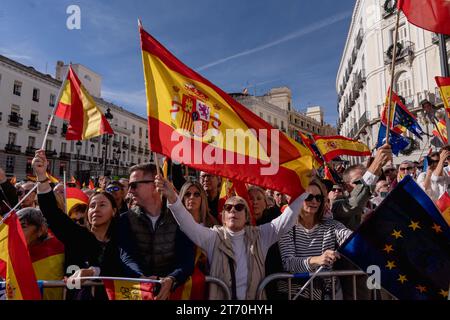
{"x": 204, "y": 210}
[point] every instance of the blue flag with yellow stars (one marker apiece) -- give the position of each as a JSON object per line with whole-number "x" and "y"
{"x": 397, "y": 141}
{"x": 403, "y": 118}
{"x": 409, "y": 240}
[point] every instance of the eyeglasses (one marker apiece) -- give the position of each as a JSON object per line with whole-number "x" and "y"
{"x": 189, "y": 194}
{"x": 405, "y": 168}
{"x": 239, "y": 207}
{"x": 134, "y": 184}
{"x": 113, "y": 189}
{"x": 336, "y": 190}
{"x": 318, "y": 197}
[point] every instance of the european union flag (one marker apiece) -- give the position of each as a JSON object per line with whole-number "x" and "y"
{"x": 397, "y": 141}
{"x": 405, "y": 119}
{"x": 409, "y": 240}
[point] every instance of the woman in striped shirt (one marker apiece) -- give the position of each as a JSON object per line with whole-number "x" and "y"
{"x": 312, "y": 242}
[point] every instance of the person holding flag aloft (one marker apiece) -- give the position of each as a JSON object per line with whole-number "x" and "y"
{"x": 236, "y": 251}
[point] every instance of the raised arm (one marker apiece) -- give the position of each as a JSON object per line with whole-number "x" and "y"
{"x": 273, "y": 230}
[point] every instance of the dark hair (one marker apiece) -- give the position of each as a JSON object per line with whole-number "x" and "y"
{"x": 318, "y": 217}
{"x": 114, "y": 206}
{"x": 147, "y": 168}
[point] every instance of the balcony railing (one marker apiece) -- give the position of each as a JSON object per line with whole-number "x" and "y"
{"x": 15, "y": 120}
{"x": 406, "y": 51}
{"x": 53, "y": 129}
{"x": 30, "y": 150}
{"x": 64, "y": 155}
{"x": 140, "y": 150}
{"x": 12, "y": 148}
{"x": 95, "y": 139}
{"x": 34, "y": 125}
{"x": 116, "y": 143}
{"x": 359, "y": 39}
{"x": 147, "y": 152}
{"x": 50, "y": 153}
{"x": 133, "y": 148}
{"x": 363, "y": 120}
{"x": 125, "y": 145}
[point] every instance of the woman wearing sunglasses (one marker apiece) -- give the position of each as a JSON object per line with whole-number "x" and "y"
{"x": 236, "y": 251}
{"x": 93, "y": 247}
{"x": 312, "y": 242}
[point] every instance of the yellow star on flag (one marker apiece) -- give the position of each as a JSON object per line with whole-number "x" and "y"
{"x": 443, "y": 293}
{"x": 436, "y": 228}
{"x": 402, "y": 278}
{"x": 397, "y": 234}
{"x": 414, "y": 225}
{"x": 391, "y": 265}
{"x": 388, "y": 248}
{"x": 422, "y": 289}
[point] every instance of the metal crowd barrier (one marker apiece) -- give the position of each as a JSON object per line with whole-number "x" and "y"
{"x": 326, "y": 274}
{"x": 90, "y": 282}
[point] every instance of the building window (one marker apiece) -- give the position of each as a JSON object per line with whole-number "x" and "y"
{"x": 48, "y": 145}
{"x": 282, "y": 124}
{"x": 140, "y": 132}
{"x": 403, "y": 85}
{"x": 269, "y": 118}
{"x": 139, "y": 160}
{"x": 72, "y": 146}
{"x": 10, "y": 164}
{"x": 12, "y": 138}
{"x": 52, "y": 100}
{"x": 29, "y": 168}
{"x": 17, "y": 90}
{"x": 36, "y": 94}
{"x": 134, "y": 129}
{"x": 146, "y": 133}
{"x": 31, "y": 141}
{"x": 301, "y": 124}
{"x": 63, "y": 147}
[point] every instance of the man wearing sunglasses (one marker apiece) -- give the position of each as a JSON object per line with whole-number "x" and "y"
{"x": 8, "y": 195}
{"x": 406, "y": 168}
{"x": 151, "y": 241}
{"x": 359, "y": 183}
{"x": 116, "y": 189}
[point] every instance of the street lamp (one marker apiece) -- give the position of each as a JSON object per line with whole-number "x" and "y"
{"x": 78, "y": 145}
{"x": 109, "y": 117}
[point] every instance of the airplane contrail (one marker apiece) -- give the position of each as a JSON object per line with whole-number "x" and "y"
{"x": 299, "y": 33}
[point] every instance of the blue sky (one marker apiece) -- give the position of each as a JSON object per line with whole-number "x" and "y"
{"x": 235, "y": 44}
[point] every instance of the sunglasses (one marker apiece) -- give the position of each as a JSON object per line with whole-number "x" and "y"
{"x": 238, "y": 207}
{"x": 318, "y": 197}
{"x": 189, "y": 194}
{"x": 134, "y": 184}
{"x": 407, "y": 168}
{"x": 113, "y": 189}
{"x": 336, "y": 189}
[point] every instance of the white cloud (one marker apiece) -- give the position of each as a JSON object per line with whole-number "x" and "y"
{"x": 299, "y": 33}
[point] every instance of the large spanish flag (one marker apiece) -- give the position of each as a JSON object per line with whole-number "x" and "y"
{"x": 48, "y": 264}
{"x": 444, "y": 88}
{"x": 229, "y": 140}
{"x": 15, "y": 262}
{"x": 432, "y": 15}
{"x": 75, "y": 196}
{"x": 333, "y": 146}
{"x": 441, "y": 131}
{"x": 78, "y": 107}
{"x": 128, "y": 290}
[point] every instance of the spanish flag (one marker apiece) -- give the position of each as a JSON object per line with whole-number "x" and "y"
{"x": 75, "y": 196}
{"x": 195, "y": 286}
{"x": 443, "y": 205}
{"x": 195, "y": 123}
{"x": 78, "y": 107}
{"x": 48, "y": 264}
{"x": 444, "y": 88}
{"x": 431, "y": 15}
{"x": 129, "y": 290}
{"x": 441, "y": 131}
{"x": 15, "y": 262}
{"x": 91, "y": 184}
{"x": 332, "y": 146}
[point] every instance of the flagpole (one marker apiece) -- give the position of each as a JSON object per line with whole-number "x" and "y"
{"x": 65, "y": 191}
{"x": 18, "y": 204}
{"x": 445, "y": 72}
{"x": 54, "y": 108}
{"x": 394, "y": 54}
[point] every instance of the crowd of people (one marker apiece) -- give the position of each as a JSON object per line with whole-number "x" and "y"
{"x": 147, "y": 226}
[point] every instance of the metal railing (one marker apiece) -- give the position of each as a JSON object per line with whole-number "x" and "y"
{"x": 93, "y": 282}
{"x": 305, "y": 276}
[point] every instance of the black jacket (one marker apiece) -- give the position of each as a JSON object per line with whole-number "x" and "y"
{"x": 9, "y": 195}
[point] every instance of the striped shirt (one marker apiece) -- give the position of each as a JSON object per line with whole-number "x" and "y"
{"x": 299, "y": 244}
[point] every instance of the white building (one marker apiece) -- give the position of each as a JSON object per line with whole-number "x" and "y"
{"x": 27, "y": 98}
{"x": 364, "y": 72}
{"x": 275, "y": 107}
